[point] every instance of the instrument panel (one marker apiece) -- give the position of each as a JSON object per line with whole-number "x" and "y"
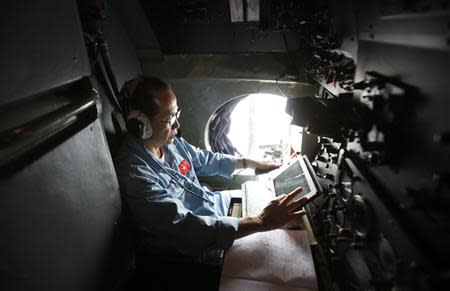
{"x": 363, "y": 243}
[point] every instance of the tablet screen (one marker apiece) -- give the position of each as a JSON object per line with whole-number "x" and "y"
{"x": 292, "y": 177}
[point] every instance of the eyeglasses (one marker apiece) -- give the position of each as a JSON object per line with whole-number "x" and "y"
{"x": 173, "y": 119}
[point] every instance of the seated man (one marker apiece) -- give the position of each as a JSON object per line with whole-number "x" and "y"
{"x": 176, "y": 217}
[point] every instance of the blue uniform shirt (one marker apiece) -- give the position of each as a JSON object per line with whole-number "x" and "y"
{"x": 174, "y": 213}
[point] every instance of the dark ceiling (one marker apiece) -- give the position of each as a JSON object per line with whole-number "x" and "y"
{"x": 201, "y": 26}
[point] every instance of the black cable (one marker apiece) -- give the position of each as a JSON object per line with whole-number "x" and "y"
{"x": 175, "y": 179}
{"x": 281, "y": 91}
{"x": 104, "y": 52}
{"x": 92, "y": 19}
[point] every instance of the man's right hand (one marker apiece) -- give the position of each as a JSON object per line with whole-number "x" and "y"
{"x": 280, "y": 211}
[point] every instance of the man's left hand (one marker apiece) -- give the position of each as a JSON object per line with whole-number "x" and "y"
{"x": 265, "y": 165}
{"x": 259, "y": 165}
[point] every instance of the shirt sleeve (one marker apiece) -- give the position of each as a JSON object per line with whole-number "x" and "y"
{"x": 207, "y": 163}
{"x": 159, "y": 213}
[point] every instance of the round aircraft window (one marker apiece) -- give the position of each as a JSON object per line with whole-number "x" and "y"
{"x": 255, "y": 126}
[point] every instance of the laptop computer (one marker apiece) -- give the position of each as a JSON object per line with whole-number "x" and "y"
{"x": 257, "y": 194}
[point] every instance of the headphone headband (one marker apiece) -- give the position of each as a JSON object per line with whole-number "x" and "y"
{"x": 128, "y": 90}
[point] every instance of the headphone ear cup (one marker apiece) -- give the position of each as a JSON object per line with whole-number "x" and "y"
{"x": 135, "y": 127}
{"x": 147, "y": 130}
{"x": 139, "y": 125}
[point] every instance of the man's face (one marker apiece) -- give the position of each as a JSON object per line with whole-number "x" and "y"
{"x": 163, "y": 132}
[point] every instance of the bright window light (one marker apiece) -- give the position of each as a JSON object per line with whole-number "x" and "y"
{"x": 260, "y": 128}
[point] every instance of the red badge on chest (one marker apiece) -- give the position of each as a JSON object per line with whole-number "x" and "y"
{"x": 184, "y": 167}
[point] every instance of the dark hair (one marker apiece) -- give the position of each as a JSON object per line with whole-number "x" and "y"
{"x": 142, "y": 96}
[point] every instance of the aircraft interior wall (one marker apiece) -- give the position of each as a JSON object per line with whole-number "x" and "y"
{"x": 367, "y": 81}
{"x": 61, "y": 215}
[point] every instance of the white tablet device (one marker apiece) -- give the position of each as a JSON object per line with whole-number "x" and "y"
{"x": 257, "y": 194}
{"x": 292, "y": 176}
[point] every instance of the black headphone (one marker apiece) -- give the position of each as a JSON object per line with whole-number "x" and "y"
{"x": 137, "y": 122}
